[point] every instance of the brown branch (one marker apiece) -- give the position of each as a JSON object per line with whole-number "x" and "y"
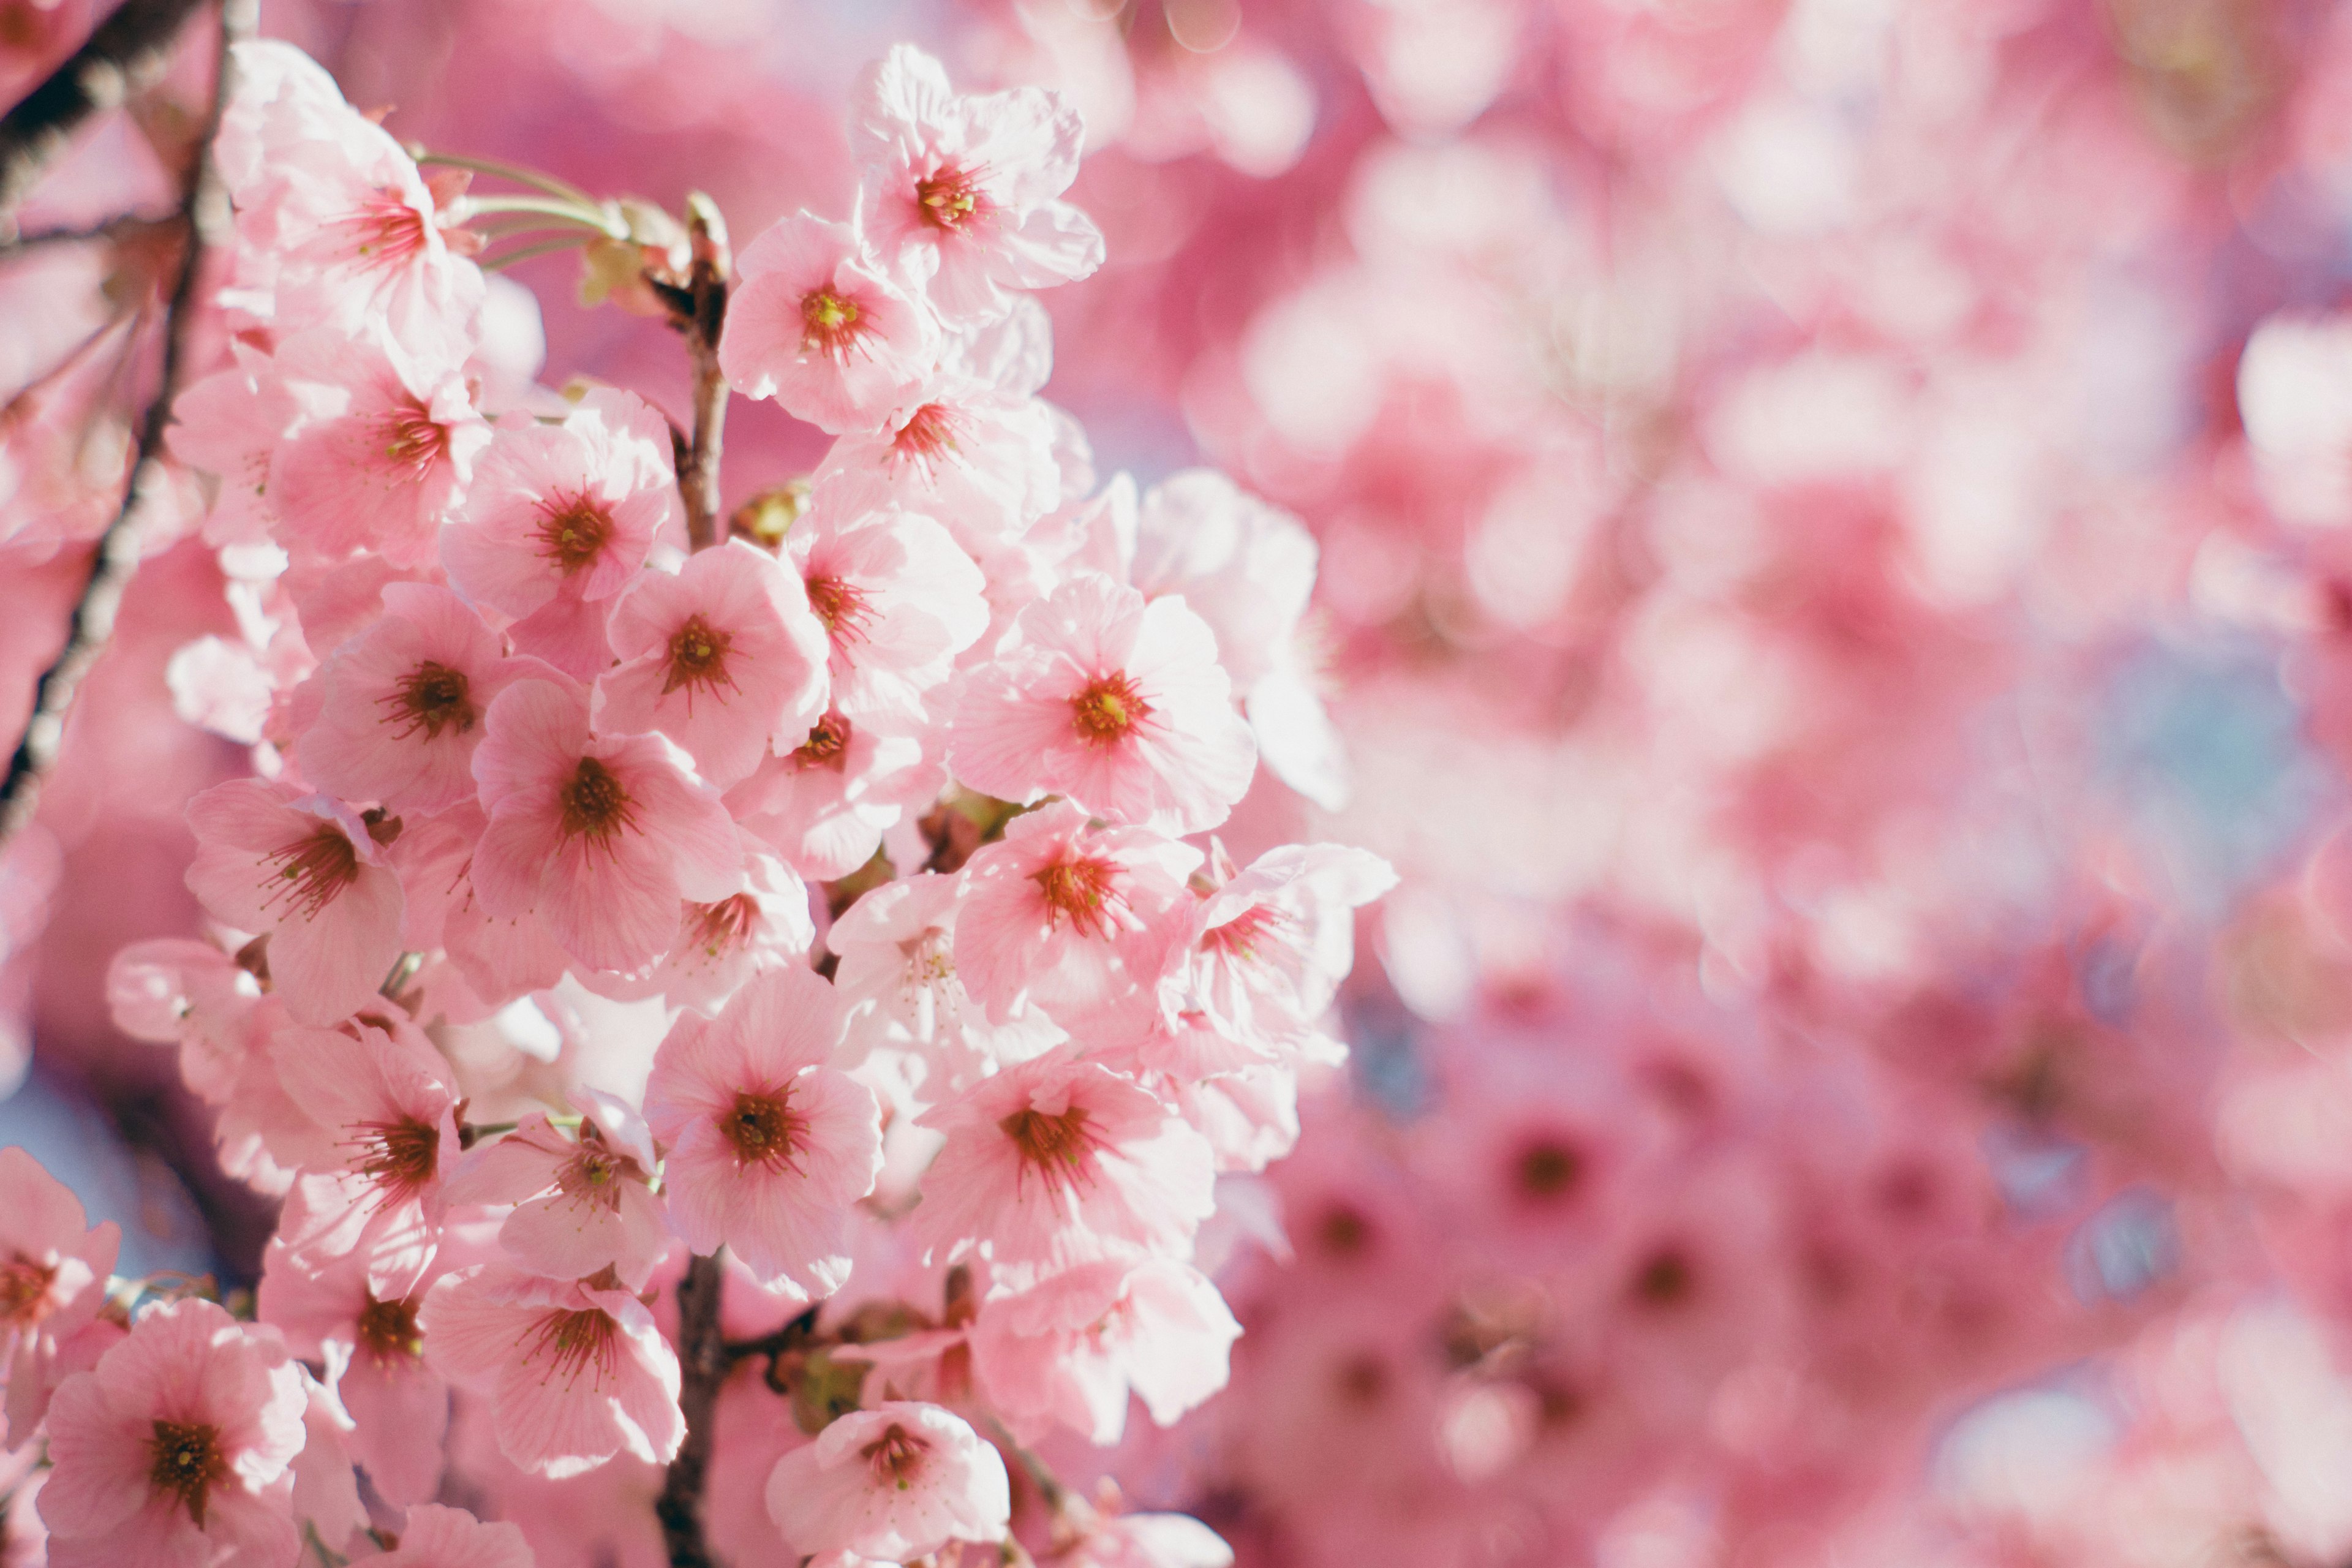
{"x": 127, "y": 51}
{"x": 202, "y": 213}
{"x": 702, "y": 1361}
{"x": 700, "y": 319}
{"x": 126, "y": 226}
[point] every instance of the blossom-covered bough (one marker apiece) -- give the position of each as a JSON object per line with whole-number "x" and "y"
{"x": 750, "y": 1005}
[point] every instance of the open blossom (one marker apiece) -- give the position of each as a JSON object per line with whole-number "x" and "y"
{"x": 892, "y": 1483}
{"x": 305, "y": 869}
{"x": 399, "y": 707}
{"x": 723, "y": 658}
{"x": 1080, "y": 921}
{"x": 582, "y": 1204}
{"x": 814, "y": 323}
{"x": 899, "y": 600}
{"x": 1118, "y": 704}
{"x": 327, "y": 1311}
{"x": 1271, "y": 945}
{"x": 768, "y": 1144}
{"x": 388, "y": 1120}
{"x": 764, "y": 924}
{"x": 824, "y": 803}
{"x": 228, "y": 424}
{"x": 351, "y": 230}
{"x": 53, "y": 1274}
{"x": 385, "y": 447}
{"x": 1069, "y": 1348}
{"x": 560, "y": 519}
{"x": 575, "y": 1371}
{"x": 963, "y": 189}
{"x": 979, "y": 458}
{"x": 178, "y": 1447}
{"x": 1060, "y": 1161}
{"x": 896, "y": 947}
{"x": 602, "y": 837}
{"x": 432, "y": 1536}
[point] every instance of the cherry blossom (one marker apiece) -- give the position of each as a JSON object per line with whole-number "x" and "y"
{"x": 52, "y": 1282}
{"x": 1069, "y": 1349}
{"x": 897, "y": 1481}
{"x": 822, "y": 330}
{"x": 964, "y": 188}
{"x": 768, "y": 1144}
{"x": 582, "y": 1204}
{"x": 177, "y": 1446}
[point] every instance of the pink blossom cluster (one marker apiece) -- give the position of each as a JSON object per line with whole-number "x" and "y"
{"x": 840, "y": 898}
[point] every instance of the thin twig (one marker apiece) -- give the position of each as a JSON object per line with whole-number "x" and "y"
{"x": 201, "y": 213}
{"x": 126, "y": 52}
{"x": 127, "y": 226}
{"x": 702, "y": 1366}
{"x": 701, "y": 314}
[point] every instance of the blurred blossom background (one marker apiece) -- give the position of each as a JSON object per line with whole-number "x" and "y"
{"x": 1835, "y": 595}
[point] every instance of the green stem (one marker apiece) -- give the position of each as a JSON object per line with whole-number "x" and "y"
{"x": 586, "y": 216}
{"x": 491, "y": 166}
{"x": 544, "y": 248}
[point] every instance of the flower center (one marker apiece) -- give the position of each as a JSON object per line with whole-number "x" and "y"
{"x": 1057, "y": 1147}
{"x": 828, "y": 745}
{"x": 1550, "y": 1170}
{"x": 388, "y": 1330}
{"x": 1108, "y": 709}
{"x": 725, "y": 926}
{"x": 928, "y": 432}
{"x": 573, "y": 532}
{"x": 24, "y": 1290}
{"x": 573, "y": 1342}
{"x": 385, "y": 230}
{"x": 1240, "y": 936}
{"x": 1085, "y": 892}
{"x": 399, "y": 1157}
{"x": 595, "y": 804}
{"x": 412, "y": 440}
{"x": 830, "y": 324}
{"x": 896, "y": 1456}
{"x": 1666, "y": 1280}
{"x": 184, "y": 1459}
{"x": 594, "y": 1174}
{"x": 840, "y": 606}
{"x": 311, "y": 872}
{"x": 764, "y": 1128}
{"x": 432, "y": 698}
{"x": 697, "y": 659}
{"x": 947, "y": 199}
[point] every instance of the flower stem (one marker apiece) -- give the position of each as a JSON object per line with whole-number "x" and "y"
{"x": 520, "y": 176}
{"x": 700, "y": 312}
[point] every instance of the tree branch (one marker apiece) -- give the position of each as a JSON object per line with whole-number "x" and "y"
{"x": 702, "y": 319}
{"x": 702, "y": 1361}
{"x": 127, "y": 51}
{"x": 202, "y": 213}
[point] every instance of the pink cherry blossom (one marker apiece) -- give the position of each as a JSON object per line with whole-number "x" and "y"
{"x": 768, "y": 1144}
{"x": 432, "y": 1536}
{"x": 584, "y": 1204}
{"x": 723, "y": 658}
{"x": 228, "y": 424}
{"x": 765, "y": 924}
{"x": 1271, "y": 945}
{"x": 964, "y": 188}
{"x": 600, "y": 836}
{"x": 178, "y": 1447}
{"x": 824, "y": 803}
{"x": 1147, "y": 1541}
{"x": 576, "y": 1370}
{"x": 1060, "y": 1161}
{"x": 52, "y": 1276}
{"x": 305, "y": 869}
{"x": 387, "y": 445}
{"x": 898, "y": 602}
{"x": 1118, "y": 704}
{"x": 817, "y": 325}
{"x": 386, "y": 1118}
{"x": 400, "y": 705}
{"x": 327, "y": 1310}
{"x": 1068, "y": 1349}
{"x": 558, "y": 521}
{"x": 892, "y": 1483}
{"x": 1077, "y": 920}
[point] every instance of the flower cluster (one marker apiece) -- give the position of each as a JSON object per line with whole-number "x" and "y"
{"x": 833, "y": 908}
